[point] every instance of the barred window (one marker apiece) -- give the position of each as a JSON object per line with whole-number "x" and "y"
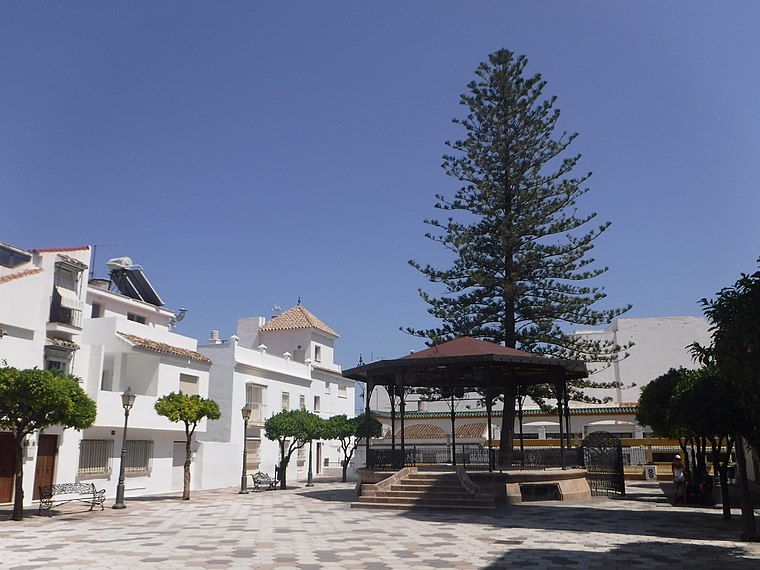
{"x": 95, "y": 456}
{"x": 139, "y": 456}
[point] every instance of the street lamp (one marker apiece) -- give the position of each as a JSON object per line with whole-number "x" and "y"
{"x": 246, "y": 412}
{"x": 308, "y": 479}
{"x": 127, "y": 401}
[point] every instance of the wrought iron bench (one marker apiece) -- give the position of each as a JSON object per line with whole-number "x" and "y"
{"x": 61, "y": 493}
{"x": 263, "y": 482}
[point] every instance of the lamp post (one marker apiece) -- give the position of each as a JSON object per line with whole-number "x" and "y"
{"x": 308, "y": 479}
{"x": 246, "y": 413}
{"x": 127, "y": 401}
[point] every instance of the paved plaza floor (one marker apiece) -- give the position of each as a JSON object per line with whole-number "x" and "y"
{"x": 311, "y": 528}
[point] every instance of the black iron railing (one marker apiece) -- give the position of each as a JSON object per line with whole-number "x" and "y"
{"x": 471, "y": 457}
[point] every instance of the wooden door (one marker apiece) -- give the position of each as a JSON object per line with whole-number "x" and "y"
{"x": 319, "y": 457}
{"x": 7, "y": 460}
{"x": 45, "y": 470}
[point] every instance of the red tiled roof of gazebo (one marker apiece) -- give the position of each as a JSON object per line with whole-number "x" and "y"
{"x": 466, "y": 346}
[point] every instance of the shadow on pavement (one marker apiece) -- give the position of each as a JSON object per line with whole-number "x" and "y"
{"x": 658, "y": 554}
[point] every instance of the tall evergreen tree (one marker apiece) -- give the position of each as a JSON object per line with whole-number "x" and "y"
{"x": 520, "y": 257}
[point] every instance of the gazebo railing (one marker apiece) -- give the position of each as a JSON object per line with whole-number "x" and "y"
{"x": 471, "y": 457}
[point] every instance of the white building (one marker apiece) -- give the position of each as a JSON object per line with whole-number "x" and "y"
{"x": 112, "y": 339}
{"x": 286, "y": 363}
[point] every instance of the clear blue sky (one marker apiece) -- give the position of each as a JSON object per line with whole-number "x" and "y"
{"x": 246, "y": 154}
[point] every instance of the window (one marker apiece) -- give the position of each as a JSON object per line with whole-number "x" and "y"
{"x": 316, "y": 403}
{"x": 254, "y": 398}
{"x": 285, "y": 401}
{"x": 136, "y": 318}
{"x": 139, "y": 456}
{"x": 342, "y": 391}
{"x": 302, "y": 402}
{"x": 106, "y": 379}
{"x": 328, "y": 388}
{"x": 96, "y": 311}
{"x": 57, "y": 358}
{"x": 317, "y": 353}
{"x": 95, "y": 456}
{"x": 66, "y": 307}
{"x": 188, "y": 384}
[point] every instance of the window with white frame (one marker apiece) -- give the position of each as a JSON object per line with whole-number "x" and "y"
{"x": 254, "y": 399}
{"x": 285, "y": 401}
{"x": 95, "y": 456}
{"x": 342, "y": 391}
{"x": 316, "y": 404}
{"x": 139, "y": 456}
{"x": 136, "y": 318}
{"x": 302, "y": 402}
{"x": 188, "y": 384}
{"x": 317, "y": 353}
{"x": 58, "y": 358}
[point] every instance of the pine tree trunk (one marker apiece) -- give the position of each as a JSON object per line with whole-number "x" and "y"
{"x": 507, "y": 427}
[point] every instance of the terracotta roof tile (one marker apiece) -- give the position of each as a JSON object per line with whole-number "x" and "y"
{"x": 471, "y": 430}
{"x": 54, "y": 249}
{"x": 63, "y": 343}
{"x": 24, "y": 273}
{"x": 296, "y": 318}
{"x": 467, "y": 346}
{"x": 420, "y": 431}
{"x": 164, "y": 348}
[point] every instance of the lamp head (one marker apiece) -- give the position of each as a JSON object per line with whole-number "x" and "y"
{"x": 128, "y": 399}
{"x": 246, "y": 412}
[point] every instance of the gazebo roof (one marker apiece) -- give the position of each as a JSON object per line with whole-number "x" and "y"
{"x": 468, "y": 362}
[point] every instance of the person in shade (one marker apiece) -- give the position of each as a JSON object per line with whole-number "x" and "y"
{"x": 678, "y": 467}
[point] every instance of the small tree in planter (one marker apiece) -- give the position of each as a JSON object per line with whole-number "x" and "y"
{"x": 292, "y": 429}
{"x": 349, "y": 431}
{"x": 190, "y": 410}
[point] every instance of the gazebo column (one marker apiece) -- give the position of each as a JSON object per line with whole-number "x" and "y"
{"x": 402, "y": 406}
{"x": 520, "y": 417}
{"x": 489, "y": 413}
{"x": 392, "y": 399}
{"x": 560, "y": 397}
{"x": 368, "y": 393}
{"x": 568, "y": 430}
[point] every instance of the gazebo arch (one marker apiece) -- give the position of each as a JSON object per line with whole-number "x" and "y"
{"x": 475, "y": 365}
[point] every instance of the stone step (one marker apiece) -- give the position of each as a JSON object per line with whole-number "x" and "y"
{"x": 423, "y": 494}
{"x": 412, "y": 486}
{"x": 405, "y": 498}
{"x": 420, "y": 507}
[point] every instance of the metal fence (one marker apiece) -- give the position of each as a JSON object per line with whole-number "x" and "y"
{"x": 470, "y": 456}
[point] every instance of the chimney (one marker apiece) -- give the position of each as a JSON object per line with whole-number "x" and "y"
{"x": 214, "y": 338}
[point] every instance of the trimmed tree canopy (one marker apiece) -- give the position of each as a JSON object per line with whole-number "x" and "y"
{"x": 32, "y": 400}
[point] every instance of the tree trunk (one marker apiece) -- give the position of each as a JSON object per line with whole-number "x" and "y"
{"x": 283, "y": 471}
{"x": 18, "y": 493}
{"x": 507, "y": 427}
{"x": 186, "y": 482}
{"x": 749, "y": 531}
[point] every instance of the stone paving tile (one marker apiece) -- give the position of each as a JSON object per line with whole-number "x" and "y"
{"x": 311, "y": 529}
